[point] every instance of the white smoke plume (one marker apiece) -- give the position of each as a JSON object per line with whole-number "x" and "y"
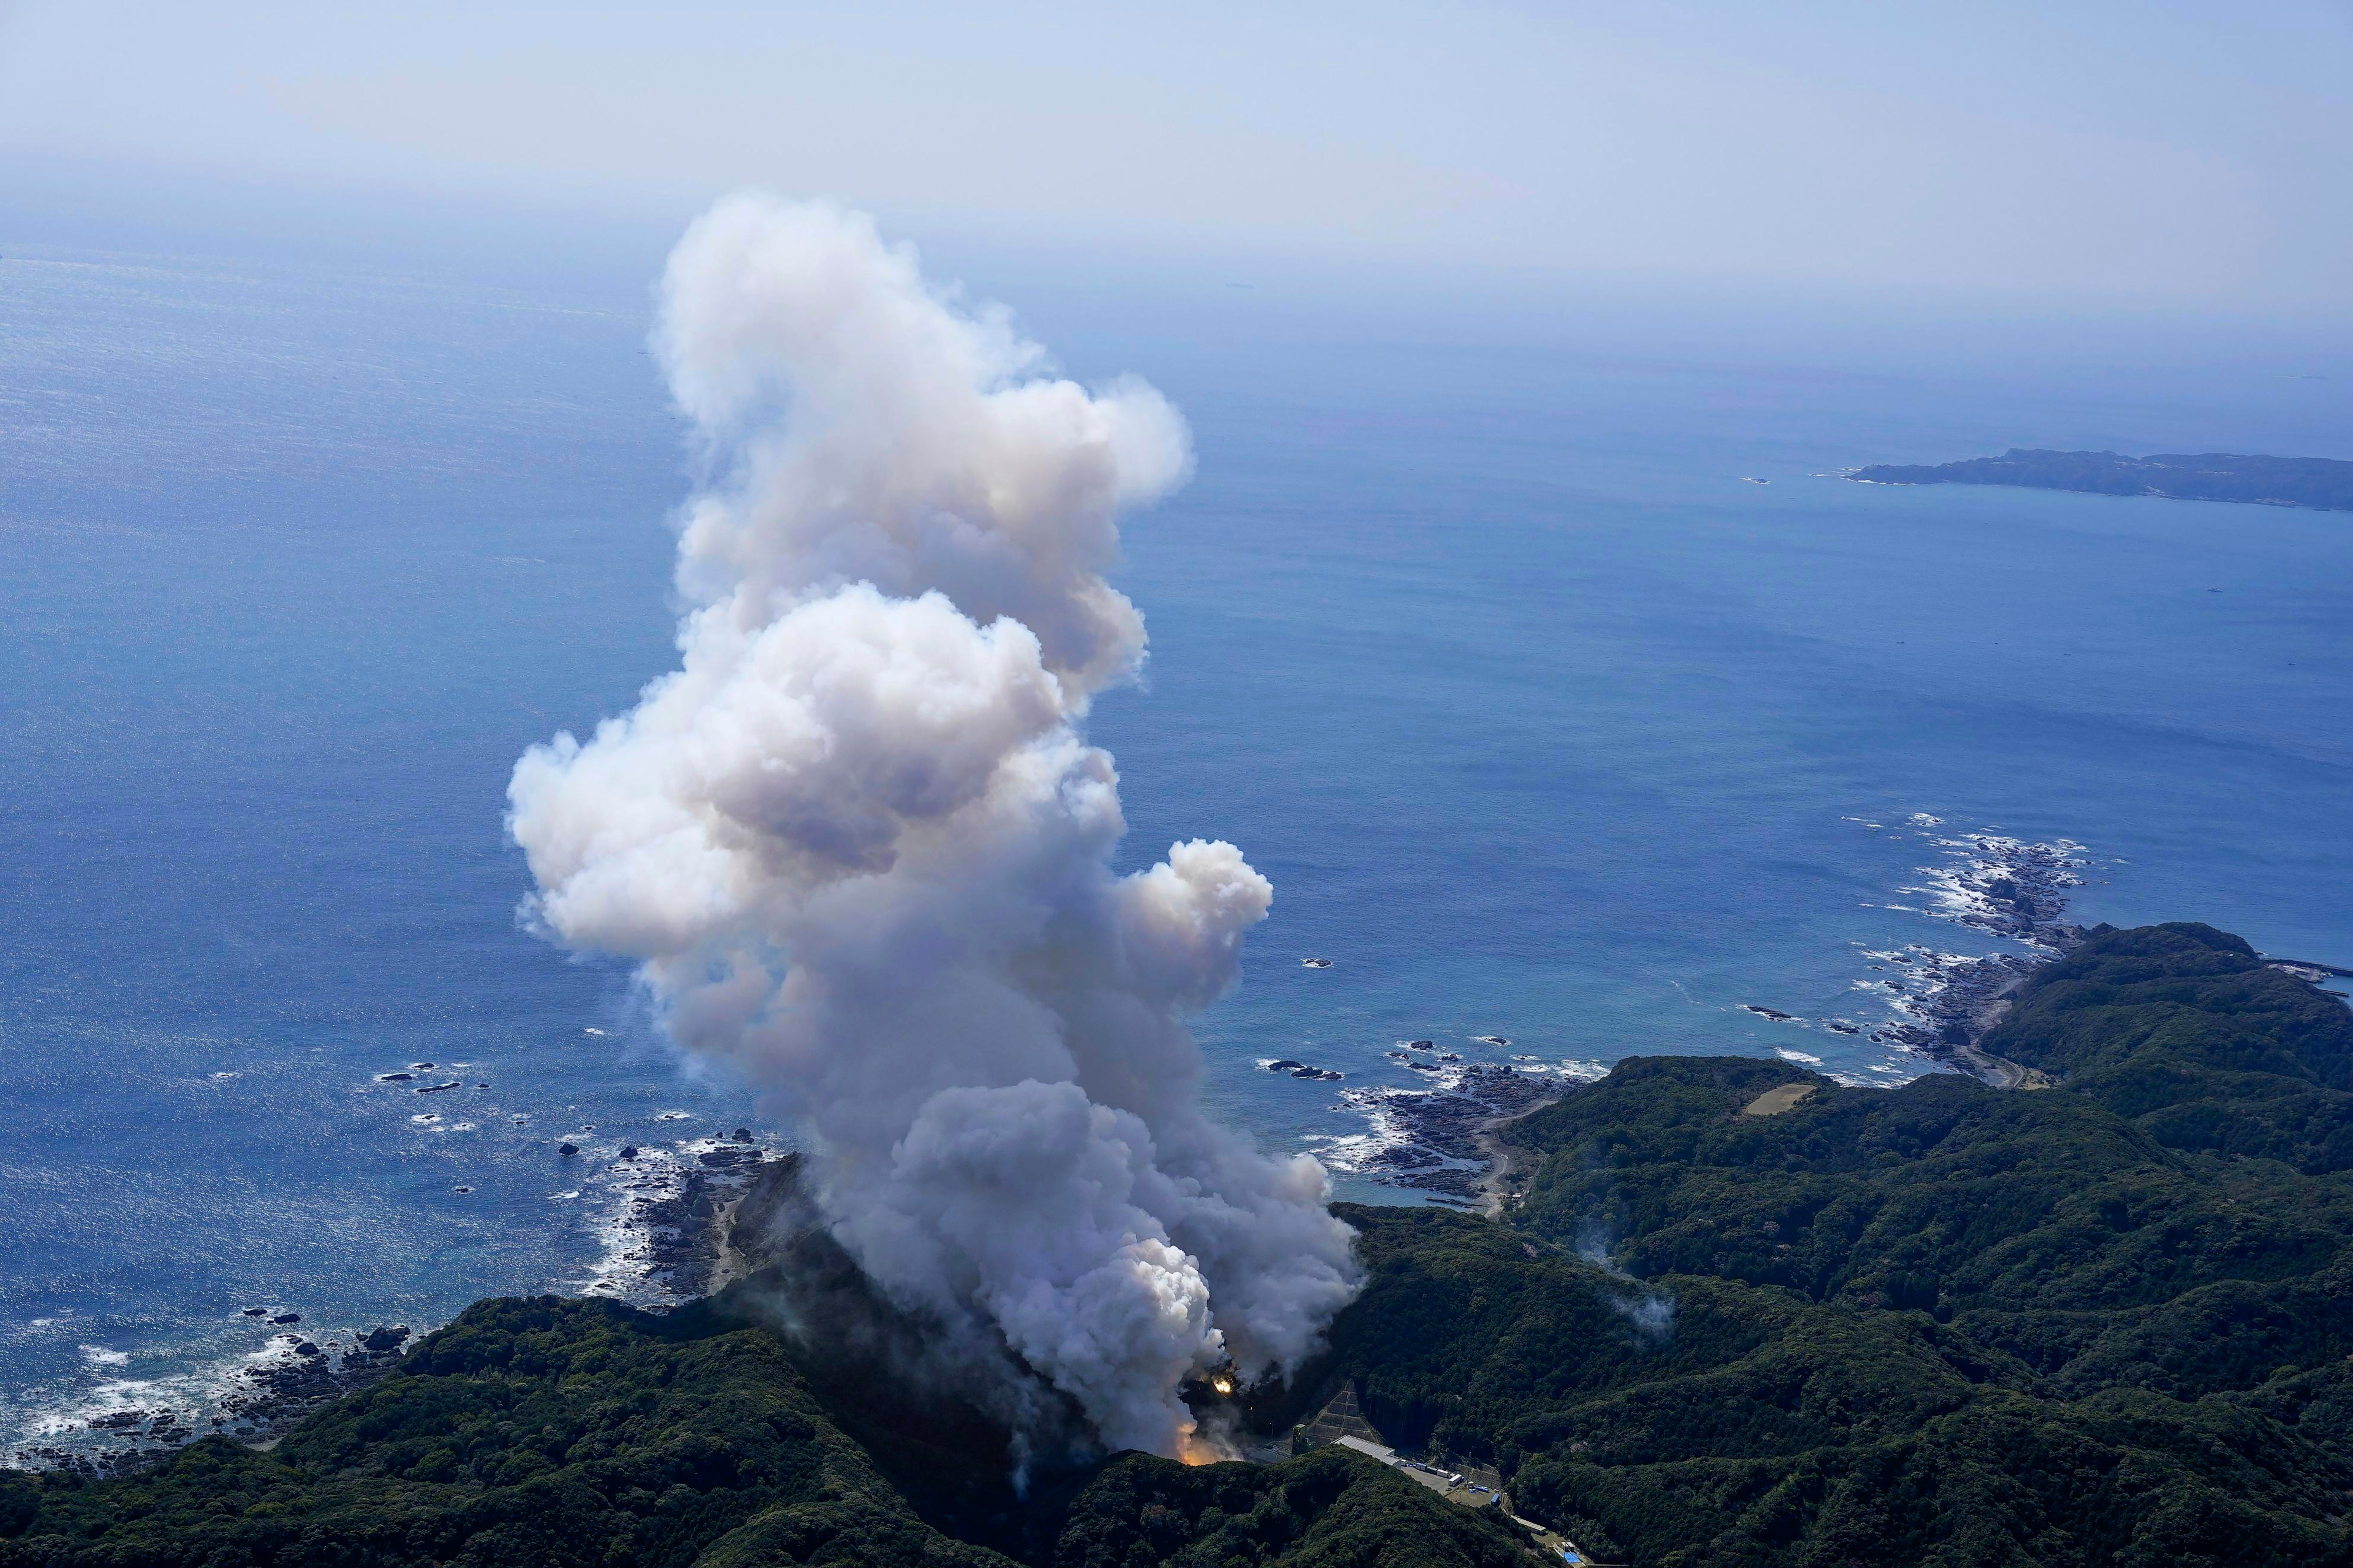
{"x": 861, "y": 848}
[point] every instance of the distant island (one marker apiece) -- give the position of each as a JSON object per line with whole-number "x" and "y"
{"x": 1726, "y": 1311}
{"x": 2324, "y": 484}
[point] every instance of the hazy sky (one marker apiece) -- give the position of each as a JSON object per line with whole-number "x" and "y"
{"x": 2129, "y": 152}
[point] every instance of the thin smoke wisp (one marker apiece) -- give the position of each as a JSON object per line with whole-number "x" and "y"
{"x": 860, "y": 847}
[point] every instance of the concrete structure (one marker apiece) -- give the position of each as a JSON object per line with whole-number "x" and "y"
{"x": 1340, "y": 1419}
{"x": 1554, "y": 1543}
{"x": 1343, "y": 1422}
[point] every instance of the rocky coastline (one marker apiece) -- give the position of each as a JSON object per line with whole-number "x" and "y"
{"x": 675, "y": 1225}
{"x": 669, "y": 1229}
{"x": 1940, "y": 1005}
{"x": 293, "y": 1377}
{"x": 1439, "y": 1139}
{"x": 666, "y": 1233}
{"x": 1945, "y": 1003}
{"x": 1434, "y": 1141}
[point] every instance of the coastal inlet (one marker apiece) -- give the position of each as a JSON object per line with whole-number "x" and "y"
{"x": 1436, "y": 1138}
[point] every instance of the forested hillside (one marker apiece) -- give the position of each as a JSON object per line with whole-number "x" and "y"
{"x": 547, "y": 1433}
{"x": 2106, "y": 1323}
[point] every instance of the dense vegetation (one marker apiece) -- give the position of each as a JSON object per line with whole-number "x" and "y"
{"x": 550, "y": 1433}
{"x": 2185, "y": 1031}
{"x": 2106, "y": 1323}
{"x": 2320, "y": 482}
{"x": 2109, "y": 1324}
{"x": 1328, "y": 1509}
{"x": 537, "y": 1431}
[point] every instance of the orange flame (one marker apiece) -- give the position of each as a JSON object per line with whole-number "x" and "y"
{"x": 1195, "y": 1447}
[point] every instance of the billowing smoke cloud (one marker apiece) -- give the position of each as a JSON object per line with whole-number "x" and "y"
{"x": 861, "y": 848}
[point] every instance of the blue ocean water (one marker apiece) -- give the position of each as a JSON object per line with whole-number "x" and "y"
{"x": 1546, "y": 720}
